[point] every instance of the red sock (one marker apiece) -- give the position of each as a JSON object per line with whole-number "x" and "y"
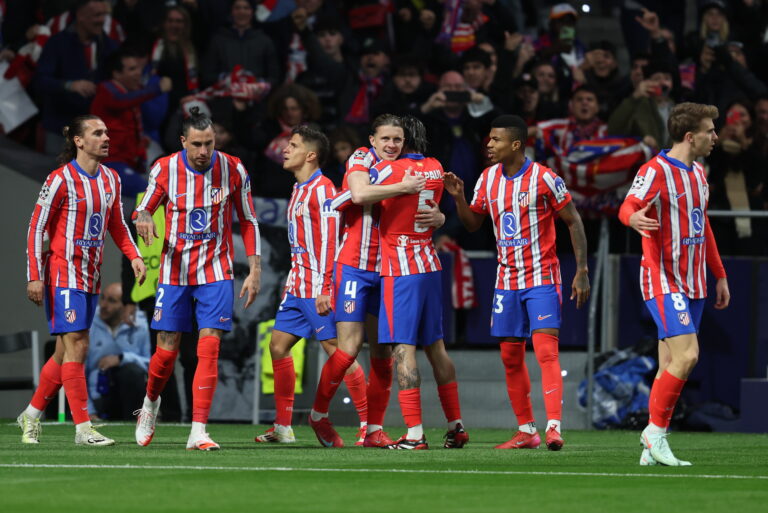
{"x": 449, "y": 399}
{"x": 379, "y": 388}
{"x": 410, "y": 405}
{"x": 50, "y": 383}
{"x": 652, "y": 401}
{"x": 545, "y": 347}
{"x": 330, "y": 378}
{"x": 160, "y": 370}
{"x": 285, "y": 386}
{"x": 666, "y": 390}
{"x": 356, "y": 386}
{"x": 206, "y": 376}
{"x": 518, "y": 382}
{"x": 73, "y": 379}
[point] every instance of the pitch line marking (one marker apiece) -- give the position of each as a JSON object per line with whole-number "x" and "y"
{"x": 374, "y": 470}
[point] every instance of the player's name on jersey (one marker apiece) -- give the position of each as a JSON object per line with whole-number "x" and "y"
{"x": 513, "y": 242}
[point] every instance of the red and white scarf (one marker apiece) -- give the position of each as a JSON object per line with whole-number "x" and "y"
{"x": 369, "y": 90}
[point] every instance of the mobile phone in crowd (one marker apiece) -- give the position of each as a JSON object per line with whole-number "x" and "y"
{"x": 457, "y": 96}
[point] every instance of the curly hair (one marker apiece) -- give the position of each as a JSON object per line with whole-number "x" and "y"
{"x": 306, "y": 98}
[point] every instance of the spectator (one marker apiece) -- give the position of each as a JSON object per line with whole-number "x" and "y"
{"x": 343, "y": 141}
{"x": 476, "y": 69}
{"x": 71, "y": 64}
{"x": 241, "y": 44}
{"x": 516, "y": 53}
{"x": 761, "y": 127}
{"x": 174, "y": 56}
{"x": 118, "y": 102}
{"x": 328, "y": 69}
{"x": 558, "y": 135}
{"x": 737, "y": 181}
{"x": 118, "y": 358}
{"x": 551, "y": 104}
{"x": 645, "y": 113}
{"x": 560, "y": 45}
{"x": 490, "y": 50}
{"x": 457, "y": 121}
{"x": 600, "y": 71}
{"x": 407, "y": 91}
{"x": 290, "y": 106}
{"x": 722, "y": 75}
{"x": 366, "y": 87}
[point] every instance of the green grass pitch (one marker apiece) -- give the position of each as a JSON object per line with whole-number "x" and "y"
{"x": 595, "y": 471}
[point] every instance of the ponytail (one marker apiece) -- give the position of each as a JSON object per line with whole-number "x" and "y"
{"x": 75, "y": 129}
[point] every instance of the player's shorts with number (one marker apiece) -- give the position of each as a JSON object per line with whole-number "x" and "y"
{"x": 298, "y": 316}
{"x": 69, "y": 310}
{"x": 675, "y": 314}
{"x": 411, "y": 309}
{"x": 516, "y": 313}
{"x": 211, "y": 304}
{"x": 358, "y": 292}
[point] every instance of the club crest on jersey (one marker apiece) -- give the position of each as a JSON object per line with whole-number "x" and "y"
{"x": 349, "y": 306}
{"x": 216, "y": 195}
{"x": 70, "y": 316}
{"x": 684, "y": 318}
{"x": 158, "y": 314}
{"x": 402, "y": 241}
{"x": 522, "y": 199}
{"x": 298, "y": 210}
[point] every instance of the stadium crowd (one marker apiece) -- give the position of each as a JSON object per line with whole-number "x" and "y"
{"x": 262, "y": 68}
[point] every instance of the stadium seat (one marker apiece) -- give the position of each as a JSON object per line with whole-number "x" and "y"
{"x": 18, "y": 342}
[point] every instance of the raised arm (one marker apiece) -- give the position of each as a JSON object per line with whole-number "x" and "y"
{"x": 365, "y": 193}
{"x": 469, "y": 218}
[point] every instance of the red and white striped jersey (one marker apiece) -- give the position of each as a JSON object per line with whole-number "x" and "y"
{"x": 360, "y": 235}
{"x": 198, "y": 217}
{"x": 407, "y": 248}
{"x": 76, "y": 210}
{"x": 522, "y": 209}
{"x": 313, "y": 236}
{"x": 674, "y": 256}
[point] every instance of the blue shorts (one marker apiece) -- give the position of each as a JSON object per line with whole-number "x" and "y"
{"x": 675, "y": 314}
{"x": 358, "y": 293}
{"x": 411, "y": 309}
{"x": 212, "y": 304}
{"x": 516, "y": 313}
{"x": 69, "y": 310}
{"x": 298, "y": 316}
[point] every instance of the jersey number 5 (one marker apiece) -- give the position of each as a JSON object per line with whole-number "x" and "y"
{"x": 424, "y": 196}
